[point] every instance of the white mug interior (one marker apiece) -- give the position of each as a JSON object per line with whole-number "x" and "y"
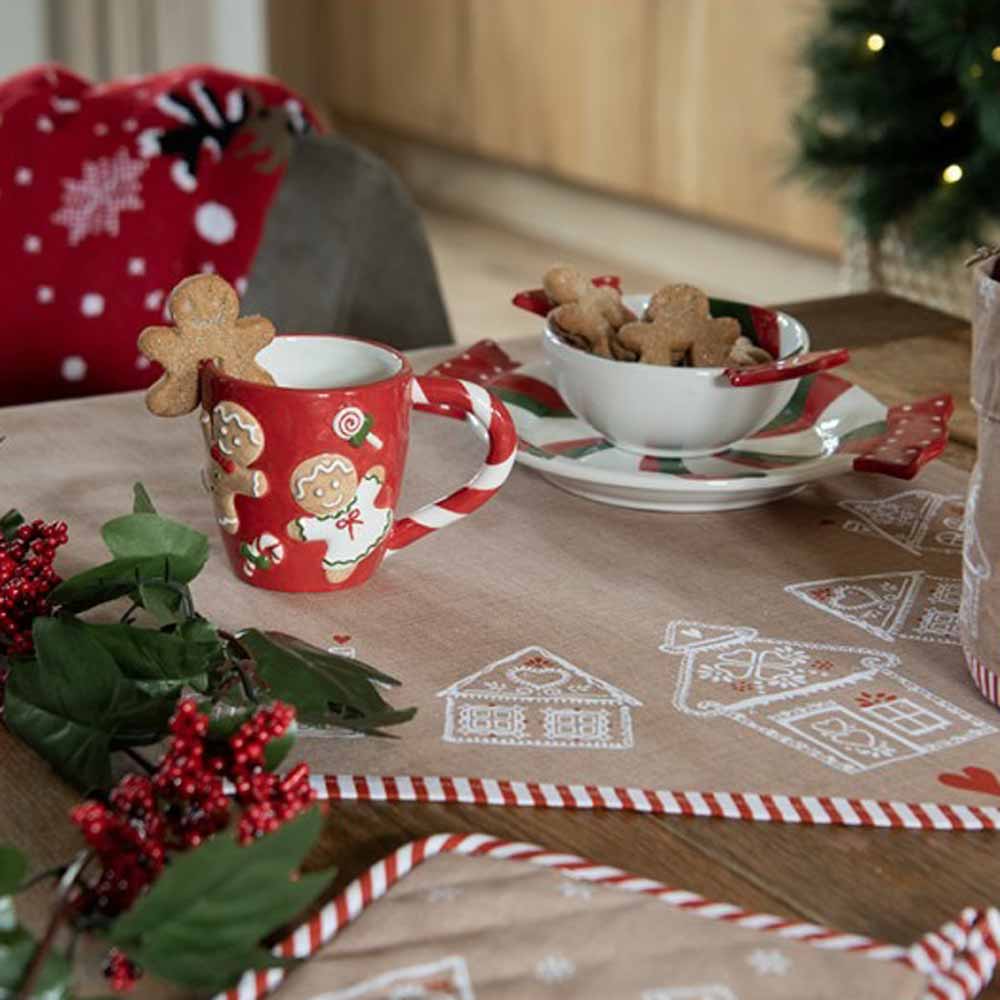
{"x": 317, "y": 361}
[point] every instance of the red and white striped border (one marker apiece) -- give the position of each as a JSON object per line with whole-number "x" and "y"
{"x": 811, "y": 810}
{"x": 986, "y": 680}
{"x": 958, "y": 960}
{"x": 431, "y": 393}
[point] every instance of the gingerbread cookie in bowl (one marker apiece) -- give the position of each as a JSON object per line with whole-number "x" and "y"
{"x": 668, "y": 389}
{"x": 586, "y": 316}
{"x": 677, "y": 328}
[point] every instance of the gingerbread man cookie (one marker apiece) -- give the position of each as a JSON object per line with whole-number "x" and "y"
{"x": 235, "y": 441}
{"x": 656, "y": 342}
{"x": 682, "y": 310}
{"x": 746, "y": 353}
{"x": 206, "y": 311}
{"x": 341, "y": 511}
{"x": 586, "y": 316}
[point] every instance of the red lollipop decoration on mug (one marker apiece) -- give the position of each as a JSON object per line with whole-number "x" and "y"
{"x": 355, "y": 426}
{"x": 305, "y": 489}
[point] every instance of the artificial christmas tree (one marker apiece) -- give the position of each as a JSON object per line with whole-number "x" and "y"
{"x": 903, "y": 124}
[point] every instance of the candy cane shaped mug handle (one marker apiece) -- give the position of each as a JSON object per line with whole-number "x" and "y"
{"x": 441, "y": 395}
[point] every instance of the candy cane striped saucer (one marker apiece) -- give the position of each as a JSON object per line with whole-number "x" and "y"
{"x": 830, "y": 426}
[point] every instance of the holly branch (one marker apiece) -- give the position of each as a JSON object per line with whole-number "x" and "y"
{"x": 163, "y": 880}
{"x": 79, "y": 692}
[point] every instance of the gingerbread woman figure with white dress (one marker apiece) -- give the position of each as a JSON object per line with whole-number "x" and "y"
{"x": 235, "y": 440}
{"x": 341, "y": 509}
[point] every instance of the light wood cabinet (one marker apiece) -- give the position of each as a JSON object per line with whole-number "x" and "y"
{"x": 685, "y": 103}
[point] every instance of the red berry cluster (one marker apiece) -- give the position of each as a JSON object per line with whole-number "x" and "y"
{"x": 127, "y": 835}
{"x": 188, "y": 780}
{"x": 26, "y": 578}
{"x": 181, "y": 804}
{"x": 121, "y": 971}
{"x": 268, "y": 799}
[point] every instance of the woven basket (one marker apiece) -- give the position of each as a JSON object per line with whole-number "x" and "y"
{"x": 889, "y": 265}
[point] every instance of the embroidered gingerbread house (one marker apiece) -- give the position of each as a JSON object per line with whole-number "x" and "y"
{"x": 713, "y": 991}
{"x": 848, "y": 707}
{"x": 916, "y": 520}
{"x": 445, "y": 979}
{"x": 907, "y": 605}
{"x": 535, "y": 698}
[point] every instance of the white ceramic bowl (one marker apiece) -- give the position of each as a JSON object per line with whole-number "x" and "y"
{"x": 663, "y": 411}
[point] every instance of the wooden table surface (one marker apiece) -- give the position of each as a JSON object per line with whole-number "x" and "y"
{"x": 891, "y": 884}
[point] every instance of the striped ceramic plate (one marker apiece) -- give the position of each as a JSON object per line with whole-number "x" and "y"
{"x": 830, "y": 426}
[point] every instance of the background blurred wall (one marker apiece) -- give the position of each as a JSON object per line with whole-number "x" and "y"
{"x": 681, "y": 103}
{"x": 23, "y": 34}
{"x": 106, "y": 38}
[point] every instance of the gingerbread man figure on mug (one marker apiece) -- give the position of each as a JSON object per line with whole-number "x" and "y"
{"x": 342, "y": 511}
{"x": 235, "y": 440}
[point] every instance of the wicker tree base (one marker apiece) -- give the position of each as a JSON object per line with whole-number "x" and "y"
{"x": 890, "y": 265}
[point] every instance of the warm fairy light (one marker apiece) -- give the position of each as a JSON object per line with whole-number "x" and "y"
{"x": 951, "y": 174}
{"x": 975, "y": 71}
{"x": 875, "y": 42}
{"x": 995, "y": 54}
{"x": 948, "y": 118}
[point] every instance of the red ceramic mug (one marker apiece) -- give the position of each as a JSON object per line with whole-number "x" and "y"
{"x": 305, "y": 474}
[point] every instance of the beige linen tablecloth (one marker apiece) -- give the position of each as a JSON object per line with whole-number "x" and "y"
{"x": 495, "y": 927}
{"x": 594, "y": 655}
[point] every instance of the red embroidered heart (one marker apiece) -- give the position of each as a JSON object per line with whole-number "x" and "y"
{"x": 973, "y": 779}
{"x": 341, "y": 640}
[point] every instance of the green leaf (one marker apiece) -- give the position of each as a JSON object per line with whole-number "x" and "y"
{"x": 109, "y": 581}
{"x": 204, "y": 972}
{"x": 154, "y": 559}
{"x": 13, "y": 865}
{"x": 333, "y": 661}
{"x": 371, "y": 725}
{"x": 162, "y": 662}
{"x": 325, "y": 689}
{"x": 73, "y": 705}
{"x": 165, "y": 602}
{"x": 10, "y": 522}
{"x": 201, "y": 923}
{"x": 169, "y": 555}
{"x": 144, "y": 535}
{"x": 142, "y": 503}
{"x": 17, "y": 947}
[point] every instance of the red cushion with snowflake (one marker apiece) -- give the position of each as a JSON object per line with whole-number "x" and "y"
{"x": 111, "y": 193}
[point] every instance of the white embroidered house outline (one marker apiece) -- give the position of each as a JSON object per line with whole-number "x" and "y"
{"x": 446, "y": 979}
{"x": 534, "y": 698}
{"x": 906, "y": 605}
{"x": 711, "y": 992}
{"x": 916, "y": 520}
{"x": 847, "y": 707}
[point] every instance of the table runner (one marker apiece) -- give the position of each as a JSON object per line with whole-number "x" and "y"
{"x": 470, "y": 917}
{"x": 800, "y": 657}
